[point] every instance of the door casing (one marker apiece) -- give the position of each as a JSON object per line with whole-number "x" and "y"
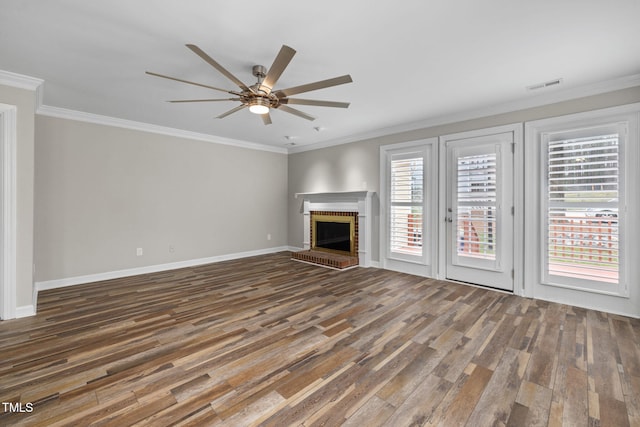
{"x": 516, "y": 132}
{"x": 495, "y": 269}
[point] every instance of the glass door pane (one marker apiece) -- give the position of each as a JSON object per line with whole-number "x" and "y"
{"x": 479, "y": 226}
{"x": 476, "y": 206}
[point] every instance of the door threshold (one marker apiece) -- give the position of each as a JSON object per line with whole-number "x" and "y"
{"x": 475, "y": 285}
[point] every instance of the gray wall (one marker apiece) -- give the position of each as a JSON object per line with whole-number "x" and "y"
{"x": 24, "y": 100}
{"x": 101, "y": 192}
{"x": 347, "y": 167}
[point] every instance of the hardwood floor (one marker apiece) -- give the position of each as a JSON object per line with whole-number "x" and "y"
{"x": 270, "y": 341}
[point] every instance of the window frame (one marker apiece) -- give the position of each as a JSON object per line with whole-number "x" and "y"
{"x": 407, "y": 155}
{"x": 625, "y": 296}
{"x": 596, "y": 286}
{"x": 424, "y": 265}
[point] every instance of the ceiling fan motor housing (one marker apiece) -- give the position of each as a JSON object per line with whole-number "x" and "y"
{"x": 260, "y": 71}
{"x": 258, "y": 98}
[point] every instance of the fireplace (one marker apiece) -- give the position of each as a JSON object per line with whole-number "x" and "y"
{"x": 334, "y": 232}
{"x": 337, "y": 229}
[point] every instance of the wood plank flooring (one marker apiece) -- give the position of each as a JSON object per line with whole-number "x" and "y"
{"x": 274, "y": 342}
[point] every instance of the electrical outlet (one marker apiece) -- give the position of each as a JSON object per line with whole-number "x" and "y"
{"x": 139, "y": 252}
{"x": 172, "y": 249}
{"x": 269, "y": 236}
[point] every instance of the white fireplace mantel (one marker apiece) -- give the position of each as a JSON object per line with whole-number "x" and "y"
{"x": 342, "y": 201}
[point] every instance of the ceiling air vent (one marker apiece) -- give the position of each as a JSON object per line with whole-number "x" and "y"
{"x": 545, "y": 84}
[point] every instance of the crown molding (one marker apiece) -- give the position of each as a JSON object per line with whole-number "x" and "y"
{"x": 63, "y": 113}
{"x": 550, "y": 97}
{"x": 20, "y": 81}
{"x": 556, "y": 95}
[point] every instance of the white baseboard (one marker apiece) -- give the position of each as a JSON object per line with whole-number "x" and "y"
{"x": 25, "y": 311}
{"x": 90, "y": 278}
{"x": 589, "y": 306}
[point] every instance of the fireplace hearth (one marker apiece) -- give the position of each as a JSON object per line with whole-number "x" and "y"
{"x": 326, "y": 259}
{"x": 337, "y": 229}
{"x": 334, "y": 239}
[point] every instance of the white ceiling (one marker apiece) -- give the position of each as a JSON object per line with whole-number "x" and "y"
{"x": 410, "y": 60}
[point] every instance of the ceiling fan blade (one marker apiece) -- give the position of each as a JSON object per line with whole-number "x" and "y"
{"x": 314, "y": 86}
{"x": 275, "y": 71}
{"x": 296, "y": 112}
{"x": 217, "y": 66}
{"x": 204, "y": 100}
{"x": 191, "y": 83}
{"x": 314, "y": 102}
{"x": 266, "y": 118}
{"x": 233, "y": 110}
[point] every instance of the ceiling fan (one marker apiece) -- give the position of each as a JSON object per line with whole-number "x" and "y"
{"x": 261, "y": 97}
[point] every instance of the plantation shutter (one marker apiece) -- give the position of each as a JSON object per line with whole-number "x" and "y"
{"x": 477, "y": 206}
{"x": 406, "y": 205}
{"x": 582, "y": 223}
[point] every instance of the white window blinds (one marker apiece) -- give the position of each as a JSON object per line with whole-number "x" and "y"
{"x": 582, "y": 208}
{"x": 476, "y": 206}
{"x": 406, "y": 205}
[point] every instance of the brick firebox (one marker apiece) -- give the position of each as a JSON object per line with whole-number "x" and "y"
{"x": 331, "y": 259}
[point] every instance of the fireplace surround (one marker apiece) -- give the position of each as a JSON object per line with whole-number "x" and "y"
{"x": 352, "y": 206}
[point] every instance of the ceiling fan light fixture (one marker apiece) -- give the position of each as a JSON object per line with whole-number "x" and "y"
{"x": 259, "y": 106}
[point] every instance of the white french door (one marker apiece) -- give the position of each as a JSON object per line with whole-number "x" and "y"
{"x": 478, "y": 222}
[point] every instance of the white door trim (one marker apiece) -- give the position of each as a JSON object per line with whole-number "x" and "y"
{"x": 8, "y": 189}
{"x": 518, "y": 199}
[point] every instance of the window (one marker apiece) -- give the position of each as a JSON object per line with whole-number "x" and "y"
{"x": 408, "y": 192}
{"x": 582, "y": 207}
{"x": 406, "y": 205}
{"x": 581, "y": 199}
{"x": 581, "y": 234}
